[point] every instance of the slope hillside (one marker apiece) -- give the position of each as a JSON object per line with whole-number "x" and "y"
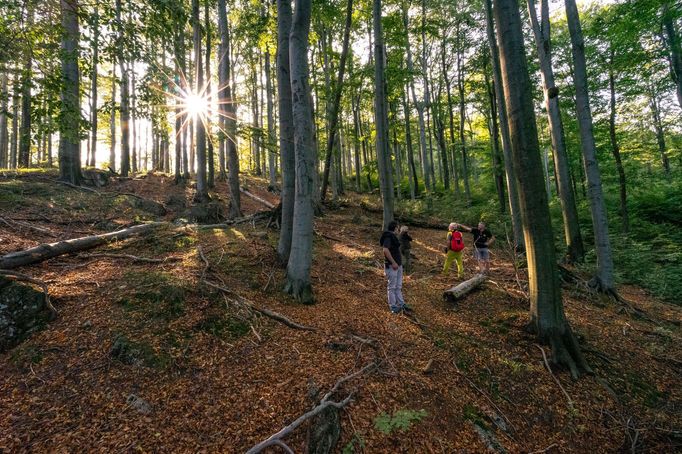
{"x": 178, "y": 352}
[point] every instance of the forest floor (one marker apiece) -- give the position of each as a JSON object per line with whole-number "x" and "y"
{"x": 147, "y": 357}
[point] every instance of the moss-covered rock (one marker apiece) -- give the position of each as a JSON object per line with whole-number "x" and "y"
{"x": 22, "y": 311}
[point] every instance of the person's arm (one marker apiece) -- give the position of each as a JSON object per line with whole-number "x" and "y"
{"x": 491, "y": 240}
{"x": 464, "y": 227}
{"x": 389, "y": 257}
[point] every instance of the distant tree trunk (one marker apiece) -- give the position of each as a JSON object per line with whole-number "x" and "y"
{"x": 674, "y": 49}
{"x": 414, "y": 182}
{"x": 4, "y": 109}
{"x": 209, "y": 130}
{"x": 286, "y": 129}
{"x": 300, "y": 258}
{"x": 615, "y": 149}
{"x": 125, "y": 109}
{"x": 574, "y": 241}
{"x": 133, "y": 124}
{"x": 178, "y": 89}
{"x": 426, "y": 169}
{"x": 272, "y": 168}
{"x": 227, "y": 108}
{"x": 355, "y": 106}
{"x": 658, "y": 127}
{"x": 255, "y": 135}
{"x": 69, "y": 128}
{"x": 451, "y": 127}
{"x": 462, "y": 117}
{"x": 24, "y": 158}
{"x": 336, "y": 101}
{"x": 381, "y": 116}
{"x": 112, "y": 118}
{"x": 495, "y": 141}
{"x": 546, "y": 308}
{"x": 94, "y": 87}
{"x": 201, "y": 195}
{"x": 604, "y": 279}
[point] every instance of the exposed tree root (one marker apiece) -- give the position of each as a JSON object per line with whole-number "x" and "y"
{"x": 301, "y": 291}
{"x": 326, "y": 402}
{"x": 549, "y": 369}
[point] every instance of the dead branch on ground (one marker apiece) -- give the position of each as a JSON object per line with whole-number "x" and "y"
{"x": 256, "y": 198}
{"x": 11, "y": 223}
{"x": 276, "y": 438}
{"x": 12, "y": 275}
{"x": 134, "y": 258}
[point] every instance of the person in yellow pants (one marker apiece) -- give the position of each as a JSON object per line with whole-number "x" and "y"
{"x": 453, "y": 250}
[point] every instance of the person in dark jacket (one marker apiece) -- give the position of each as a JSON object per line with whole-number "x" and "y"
{"x": 483, "y": 239}
{"x": 393, "y": 267}
{"x": 405, "y": 248}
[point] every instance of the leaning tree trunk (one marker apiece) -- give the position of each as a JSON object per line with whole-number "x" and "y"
{"x": 381, "y": 117}
{"x": 300, "y": 259}
{"x": 227, "y": 109}
{"x": 334, "y": 111}
{"x": 547, "y": 312}
{"x": 286, "y": 129}
{"x": 93, "y": 87}
{"x": 69, "y": 128}
{"x": 604, "y": 279}
{"x": 574, "y": 241}
{"x": 201, "y": 195}
{"x": 615, "y": 149}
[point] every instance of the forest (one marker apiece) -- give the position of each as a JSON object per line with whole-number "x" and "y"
{"x": 193, "y": 192}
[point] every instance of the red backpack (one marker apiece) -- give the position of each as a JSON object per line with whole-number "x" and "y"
{"x": 456, "y": 241}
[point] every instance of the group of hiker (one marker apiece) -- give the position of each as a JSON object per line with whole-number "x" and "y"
{"x": 396, "y": 244}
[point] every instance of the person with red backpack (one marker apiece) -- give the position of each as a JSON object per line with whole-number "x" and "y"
{"x": 454, "y": 249}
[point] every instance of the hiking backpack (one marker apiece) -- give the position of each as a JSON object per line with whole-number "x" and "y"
{"x": 456, "y": 241}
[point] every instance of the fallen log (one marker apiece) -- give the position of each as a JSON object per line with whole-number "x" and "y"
{"x": 407, "y": 219}
{"x": 260, "y": 216}
{"x": 49, "y": 250}
{"x": 458, "y": 291}
{"x": 256, "y": 198}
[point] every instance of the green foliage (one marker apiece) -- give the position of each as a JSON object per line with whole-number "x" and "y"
{"x": 356, "y": 444}
{"x": 401, "y": 420}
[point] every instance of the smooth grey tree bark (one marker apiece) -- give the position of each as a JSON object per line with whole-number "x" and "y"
{"x": 201, "y": 195}
{"x": 547, "y": 316}
{"x": 286, "y": 129}
{"x": 604, "y": 279}
{"x": 426, "y": 168}
{"x": 336, "y": 101}
{"x": 381, "y": 116}
{"x": 541, "y": 31}
{"x": 300, "y": 258}
{"x": 112, "y": 118}
{"x": 228, "y": 112}
{"x": 125, "y": 106}
{"x": 94, "y": 85}
{"x": 4, "y": 109}
{"x": 69, "y": 127}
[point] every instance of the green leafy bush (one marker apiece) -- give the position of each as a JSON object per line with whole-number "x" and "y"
{"x": 400, "y": 420}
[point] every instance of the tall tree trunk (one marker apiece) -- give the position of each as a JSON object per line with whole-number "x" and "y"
{"x": 209, "y": 130}
{"x": 414, "y": 182}
{"x": 658, "y": 127}
{"x": 201, "y": 195}
{"x": 272, "y": 169}
{"x": 4, "y": 109}
{"x": 125, "y": 109}
{"x": 133, "y": 123}
{"x": 381, "y": 116}
{"x": 462, "y": 117}
{"x": 426, "y": 169}
{"x": 300, "y": 259}
{"x": 546, "y": 308}
{"x": 338, "y": 90}
{"x": 112, "y": 119}
{"x": 286, "y": 129}
{"x": 674, "y": 48}
{"x": 24, "y": 158}
{"x": 227, "y": 108}
{"x": 615, "y": 149}
{"x": 69, "y": 128}
{"x": 355, "y": 106}
{"x": 604, "y": 279}
{"x": 574, "y": 242}
{"x": 451, "y": 127}
{"x": 94, "y": 86}
{"x": 255, "y": 136}
{"x": 495, "y": 140}
{"x": 178, "y": 89}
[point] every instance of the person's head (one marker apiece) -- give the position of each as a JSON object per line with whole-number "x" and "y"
{"x": 403, "y": 229}
{"x": 392, "y": 226}
{"x": 481, "y": 225}
{"x": 452, "y": 226}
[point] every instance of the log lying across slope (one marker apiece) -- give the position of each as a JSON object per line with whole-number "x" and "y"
{"x": 49, "y": 250}
{"x": 458, "y": 291}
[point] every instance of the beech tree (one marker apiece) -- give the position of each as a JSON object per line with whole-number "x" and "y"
{"x": 547, "y": 318}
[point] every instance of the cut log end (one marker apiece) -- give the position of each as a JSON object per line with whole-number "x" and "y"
{"x": 457, "y": 292}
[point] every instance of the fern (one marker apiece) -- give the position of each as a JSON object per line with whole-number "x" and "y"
{"x": 400, "y": 420}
